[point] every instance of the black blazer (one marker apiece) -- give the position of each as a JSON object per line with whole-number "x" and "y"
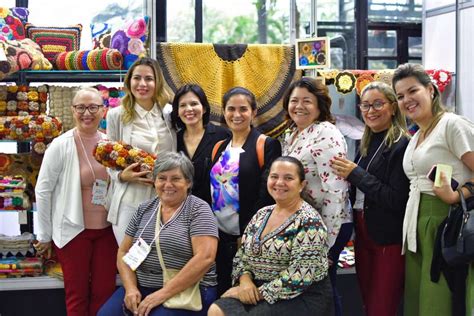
{"x": 386, "y": 188}
{"x": 202, "y": 158}
{"x": 253, "y": 193}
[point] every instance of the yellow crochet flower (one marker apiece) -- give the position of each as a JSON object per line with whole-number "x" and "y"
{"x": 121, "y": 161}
{"x": 46, "y": 126}
{"x": 33, "y": 95}
{"x": 99, "y": 149}
{"x": 149, "y": 161}
{"x": 4, "y": 12}
{"x": 12, "y": 89}
{"x": 133, "y": 152}
{"x": 118, "y": 147}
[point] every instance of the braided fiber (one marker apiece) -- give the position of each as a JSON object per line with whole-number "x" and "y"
{"x": 266, "y": 70}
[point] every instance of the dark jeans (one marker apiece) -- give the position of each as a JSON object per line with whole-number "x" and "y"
{"x": 343, "y": 237}
{"x": 226, "y": 250}
{"x": 115, "y": 305}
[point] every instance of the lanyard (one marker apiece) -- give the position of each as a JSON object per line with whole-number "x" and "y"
{"x": 371, "y": 159}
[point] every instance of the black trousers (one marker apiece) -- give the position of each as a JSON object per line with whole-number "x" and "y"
{"x": 226, "y": 251}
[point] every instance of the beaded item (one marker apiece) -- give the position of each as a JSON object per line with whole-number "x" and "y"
{"x": 96, "y": 59}
{"x": 54, "y": 40}
{"x": 118, "y": 155}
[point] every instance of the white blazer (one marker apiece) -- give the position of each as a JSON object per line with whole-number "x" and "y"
{"x": 118, "y": 131}
{"x": 58, "y": 192}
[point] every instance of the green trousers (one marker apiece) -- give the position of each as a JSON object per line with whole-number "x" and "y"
{"x": 423, "y": 297}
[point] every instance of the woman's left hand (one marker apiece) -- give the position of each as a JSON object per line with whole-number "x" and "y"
{"x": 445, "y": 192}
{"x": 342, "y": 166}
{"x": 248, "y": 293}
{"x": 151, "y": 301}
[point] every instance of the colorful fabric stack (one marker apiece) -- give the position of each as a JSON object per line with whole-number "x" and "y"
{"x": 118, "y": 155}
{"x": 96, "y": 59}
{"x": 23, "y": 100}
{"x": 15, "y": 245}
{"x": 20, "y": 267}
{"x": 12, "y": 194}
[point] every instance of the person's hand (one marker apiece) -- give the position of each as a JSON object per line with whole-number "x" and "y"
{"x": 445, "y": 192}
{"x": 44, "y": 249}
{"x": 132, "y": 299}
{"x": 129, "y": 175}
{"x": 151, "y": 301}
{"x": 342, "y": 166}
{"x": 233, "y": 292}
{"x": 248, "y": 292}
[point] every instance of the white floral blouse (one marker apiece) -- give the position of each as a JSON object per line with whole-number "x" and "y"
{"x": 314, "y": 147}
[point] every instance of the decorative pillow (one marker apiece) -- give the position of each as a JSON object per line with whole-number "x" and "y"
{"x": 129, "y": 38}
{"x": 21, "y": 13}
{"x": 24, "y": 54}
{"x": 54, "y": 40}
{"x": 96, "y": 59}
{"x": 11, "y": 27}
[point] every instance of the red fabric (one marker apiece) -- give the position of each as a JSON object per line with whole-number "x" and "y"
{"x": 380, "y": 271}
{"x": 88, "y": 262}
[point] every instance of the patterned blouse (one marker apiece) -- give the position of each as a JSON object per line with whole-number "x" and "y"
{"x": 314, "y": 147}
{"x": 287, "y": 260}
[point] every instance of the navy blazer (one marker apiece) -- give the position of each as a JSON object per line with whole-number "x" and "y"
{"x": 386, "y": 189}
{"x": 202, "y": 158}
{"x": 253, "y": 193}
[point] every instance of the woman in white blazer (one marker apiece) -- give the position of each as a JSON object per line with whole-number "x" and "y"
{"x": 72, "y": 218}
{"x": 141, "y": 121}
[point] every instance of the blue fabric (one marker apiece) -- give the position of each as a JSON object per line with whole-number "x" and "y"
{"x": 115, "y": 304}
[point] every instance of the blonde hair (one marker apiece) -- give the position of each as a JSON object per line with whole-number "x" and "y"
{"x": 161, "y": 96}
{"x": 83, "y": 90}
{"x": 398, "y": 126}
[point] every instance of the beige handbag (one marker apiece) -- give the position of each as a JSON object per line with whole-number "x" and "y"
{"x": 190, "y": 298}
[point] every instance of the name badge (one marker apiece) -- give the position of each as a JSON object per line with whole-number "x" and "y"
{"x": 99, "y": 192}
{"x": 136, "y": 254}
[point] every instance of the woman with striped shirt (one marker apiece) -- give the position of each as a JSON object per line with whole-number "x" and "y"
{"x": 187, "y": 238}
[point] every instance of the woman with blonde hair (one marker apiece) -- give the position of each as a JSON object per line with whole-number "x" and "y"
{"x": 142, "y": 121}
{"x": 379, "y": 192}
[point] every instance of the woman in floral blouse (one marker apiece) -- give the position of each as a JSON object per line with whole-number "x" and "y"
{"x": 315, "y": 140}
{"x": 281, "y": 266}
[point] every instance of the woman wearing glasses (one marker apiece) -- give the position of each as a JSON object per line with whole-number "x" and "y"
{"x": 379, "y": 192}
{"x": 70, "y": 198}
{"x": 140, "y": 121}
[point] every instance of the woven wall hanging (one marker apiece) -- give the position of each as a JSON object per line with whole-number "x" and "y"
{"x": 266, "y": 70}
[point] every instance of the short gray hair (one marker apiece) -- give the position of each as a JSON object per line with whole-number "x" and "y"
{"x": 171, "y": 160}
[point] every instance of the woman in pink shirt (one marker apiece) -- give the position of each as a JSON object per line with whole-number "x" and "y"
{"x": 70, "y": 196}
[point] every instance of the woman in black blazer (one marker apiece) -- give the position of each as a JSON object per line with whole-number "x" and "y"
{"x": 196, "y": 135}
{"x": 379, "y": 193}
{"x": 238, "y": 177}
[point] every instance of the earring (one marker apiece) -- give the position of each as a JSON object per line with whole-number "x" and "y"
{"x": 432, "y": 96}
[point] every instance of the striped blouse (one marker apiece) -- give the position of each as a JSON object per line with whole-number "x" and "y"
{"x": 195, "y": 218}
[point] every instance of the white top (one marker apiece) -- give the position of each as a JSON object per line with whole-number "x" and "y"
{"x": 450, "y": 139}
{"x": 149, "y": 133}
{"x": 58, "y": 192}
{"x": 314, "y": 147}
{"x": 128, "y": 133}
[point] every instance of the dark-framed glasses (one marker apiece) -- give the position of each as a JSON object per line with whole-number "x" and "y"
{"x": 377, "y": 106}
{"x": 92, "y": 108}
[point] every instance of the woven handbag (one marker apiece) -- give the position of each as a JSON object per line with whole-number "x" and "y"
{"x": 190, "y": 298}
{"x": 457, "y": 239}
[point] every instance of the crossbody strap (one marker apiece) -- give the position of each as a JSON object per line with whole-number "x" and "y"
{"x": 158, "y": 249}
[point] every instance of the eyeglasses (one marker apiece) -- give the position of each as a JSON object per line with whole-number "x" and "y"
{"x": 92, "y": 108}
{"x": 377, "y": 106}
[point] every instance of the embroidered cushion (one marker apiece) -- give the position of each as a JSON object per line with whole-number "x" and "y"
{"x": 11, "y": 27}
{"x": 21, "y": 13}
{"x": 54, "y": 40}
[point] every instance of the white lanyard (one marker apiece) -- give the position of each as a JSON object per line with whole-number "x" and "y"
{"x": 371, "y": 159}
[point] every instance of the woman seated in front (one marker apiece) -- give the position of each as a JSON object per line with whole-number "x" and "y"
{"x": 281, "y": 267}
{"x": 185, "y": 230}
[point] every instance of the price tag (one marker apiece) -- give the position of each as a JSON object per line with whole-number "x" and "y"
{"x": 99, "y": 192}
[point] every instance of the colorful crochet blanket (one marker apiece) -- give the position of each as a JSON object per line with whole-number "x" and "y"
{"x": 266, "y": 70}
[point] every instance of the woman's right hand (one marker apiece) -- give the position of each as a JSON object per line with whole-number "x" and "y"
{"x": 248, "y": 292}
{"x": 43, "y": 248}
{"x": 132, "y": 299}
{"x": 129, "y": 175}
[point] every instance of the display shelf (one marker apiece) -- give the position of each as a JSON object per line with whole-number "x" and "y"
{"x": 37, "y": 283}
{"x": 27, "y": 76}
